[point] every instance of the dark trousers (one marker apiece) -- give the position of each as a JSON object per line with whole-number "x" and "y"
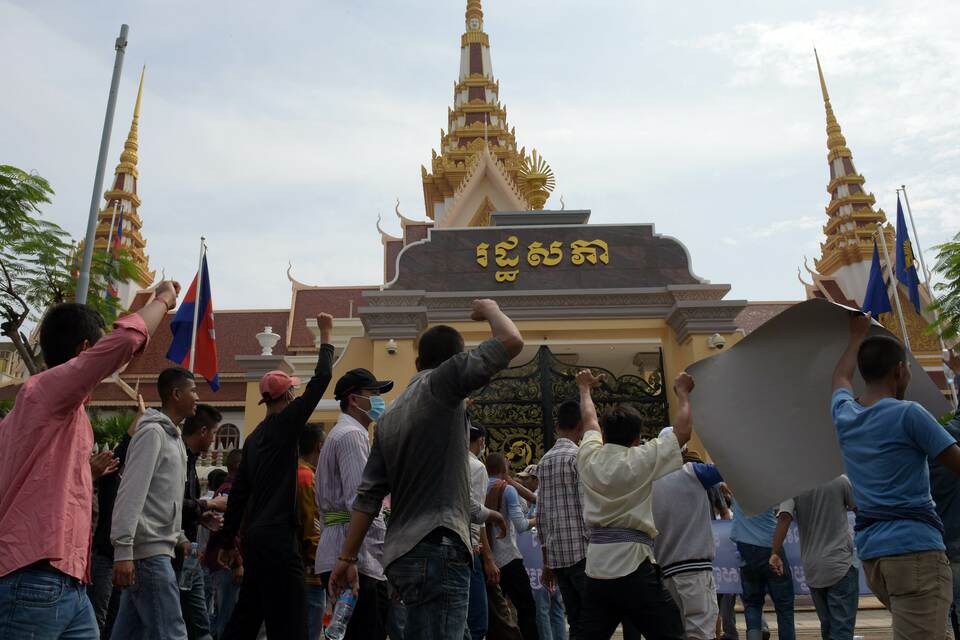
{"x": 272, "y": 592}
{"x": 572, "y": 581}
{"x": 369, "y": 619}
{"x": 515, "y": 582}
{"x": 639, "y": 597}
{"x": 756, "y": 580}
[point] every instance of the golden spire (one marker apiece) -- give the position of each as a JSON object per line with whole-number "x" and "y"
{"x": 474, "y": 10}
{"x": 128, "y": 159}
{"x": 836, "y": 143}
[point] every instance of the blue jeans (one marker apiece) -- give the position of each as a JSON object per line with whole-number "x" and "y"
{"x": 150, "y": 608}
{"x": 224, "y": 600}
{"x": 551, "y": 617}
{"x": 433, "y": 580}
{"x": 477, "y": 615}
{"x": 396, "y": 620}
{"x": 44, "y": 604}
{"x": 756, "y": 580}
{"x": 837, "y": 606}
{"x": 193, "y": 605}
{"x": 316, "y": 603}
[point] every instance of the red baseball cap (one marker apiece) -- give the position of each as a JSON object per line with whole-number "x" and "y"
{"x": 276, "y": 383}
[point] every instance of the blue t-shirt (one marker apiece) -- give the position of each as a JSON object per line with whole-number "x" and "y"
{"x": 885, "y": 451}
{"x": 757, "y": 530}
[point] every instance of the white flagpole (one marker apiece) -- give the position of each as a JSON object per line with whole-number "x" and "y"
{"x": 896, "y": 292}
{"x": 196, "y": 304}
{"x": 926, "y": 282}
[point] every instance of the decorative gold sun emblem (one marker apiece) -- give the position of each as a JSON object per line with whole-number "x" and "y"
{"x": 537, "y": 178}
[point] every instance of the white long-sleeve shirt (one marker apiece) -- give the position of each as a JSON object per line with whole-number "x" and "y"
{"x": 617, "y": 486}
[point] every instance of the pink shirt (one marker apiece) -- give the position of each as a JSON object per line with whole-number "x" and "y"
{"x": 46, "y": 490}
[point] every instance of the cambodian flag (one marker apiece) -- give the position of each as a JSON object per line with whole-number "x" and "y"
{"x": 201, "y": 307}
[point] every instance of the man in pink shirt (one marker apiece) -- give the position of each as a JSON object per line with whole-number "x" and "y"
{"x": 46, "y": 489}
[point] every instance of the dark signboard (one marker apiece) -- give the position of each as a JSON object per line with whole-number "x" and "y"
{"x": 543, "y": 257}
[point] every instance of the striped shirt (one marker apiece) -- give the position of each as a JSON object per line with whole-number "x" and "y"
{"x": 560, "y": 507}
{"x": 339, "y": 469}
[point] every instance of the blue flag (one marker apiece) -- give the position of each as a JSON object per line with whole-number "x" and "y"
{"x": 906, "y": 265}
{"x": 876, "y": 300}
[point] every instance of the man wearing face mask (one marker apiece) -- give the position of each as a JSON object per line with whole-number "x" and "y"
{"x": 339, "y": 469}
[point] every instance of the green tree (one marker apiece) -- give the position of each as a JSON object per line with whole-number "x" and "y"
{"x": 38, "y": 263}
{"x": 109, "y": 430}
{"x": 946, "y": 305}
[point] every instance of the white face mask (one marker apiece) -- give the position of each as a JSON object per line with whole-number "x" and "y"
{"x": 483, "y": 450}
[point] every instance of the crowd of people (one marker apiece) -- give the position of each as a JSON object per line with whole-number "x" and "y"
{"x": 421, "y": 523}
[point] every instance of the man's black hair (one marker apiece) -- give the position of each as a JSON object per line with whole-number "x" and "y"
{"x": 477, "y": 431}
{"x": 621, "y": 424}
{"x": 170, "y": 379}
{"x": 438, "y": 344}
{"x": 206, "y": 416}
{"x": 311, "y": 436}
{"x": 878, "y": 356}
{"x": 496, "y": 464}
{"x": 234, "y": 457}
{"x": 64, "y": 329}
{"x": 568, "y": 415}
{"x": 215, "y": 478}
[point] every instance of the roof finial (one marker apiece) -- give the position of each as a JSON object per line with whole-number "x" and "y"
{"x": 835, "y": 139}
{"x": 823, "y": 83}
{"x": 136, "y": 108}
{"x": 128, "y": 158}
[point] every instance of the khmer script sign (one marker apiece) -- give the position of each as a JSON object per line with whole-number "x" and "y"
{"x": 543, "y": 257}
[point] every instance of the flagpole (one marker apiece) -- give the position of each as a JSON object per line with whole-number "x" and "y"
{"x": 196, "y": 304}
{"x": 919, "y": 251}
{"x": 113, "y": 219}
{"x": 926, "y": 282}
{"x": 896, "y": 292}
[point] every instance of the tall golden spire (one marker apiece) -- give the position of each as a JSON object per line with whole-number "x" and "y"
{"x": 123, "y": 197}
{"x": 836, "y": 143}
{"x": 128, "y": 159}
{"x": 478, "y": 121}
{"x": 851, "y": 216}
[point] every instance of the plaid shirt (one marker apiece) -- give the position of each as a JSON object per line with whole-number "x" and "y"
{"x": 560, "y": 508}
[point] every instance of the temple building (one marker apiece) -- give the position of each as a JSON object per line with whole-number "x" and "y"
{"x": 620, "y": 298}
{"x": 842, "y": 271}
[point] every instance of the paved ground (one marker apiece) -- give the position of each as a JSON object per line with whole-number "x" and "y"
{"x": 873, "y": 622}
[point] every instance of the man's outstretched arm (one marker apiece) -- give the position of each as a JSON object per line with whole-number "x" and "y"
{"x": 298, "y": 412}
{"x": 586, "y": 381}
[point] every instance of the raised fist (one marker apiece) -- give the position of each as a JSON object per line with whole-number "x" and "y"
{"x": 482, "y": 308}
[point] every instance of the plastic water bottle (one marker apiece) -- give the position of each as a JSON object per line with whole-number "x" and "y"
{"x": 337, "y": 628}
{"x": 191, "y": 564}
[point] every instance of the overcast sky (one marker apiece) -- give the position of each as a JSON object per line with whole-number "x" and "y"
{"x": 280, "y": 130}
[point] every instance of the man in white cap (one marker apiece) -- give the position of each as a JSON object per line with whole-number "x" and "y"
{"x": 263, "y": 499}
{"x": 685, "y": 548}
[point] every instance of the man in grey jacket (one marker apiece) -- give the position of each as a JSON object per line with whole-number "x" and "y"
{"x": 146, "y": 517}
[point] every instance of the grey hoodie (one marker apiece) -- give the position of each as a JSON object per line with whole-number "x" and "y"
{"x": 146, "y": 516}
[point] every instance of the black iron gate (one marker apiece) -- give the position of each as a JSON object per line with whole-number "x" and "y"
{"x": 518, "y": 407}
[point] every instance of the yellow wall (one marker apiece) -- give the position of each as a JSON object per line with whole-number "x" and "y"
{"x": 400, "y": 367}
